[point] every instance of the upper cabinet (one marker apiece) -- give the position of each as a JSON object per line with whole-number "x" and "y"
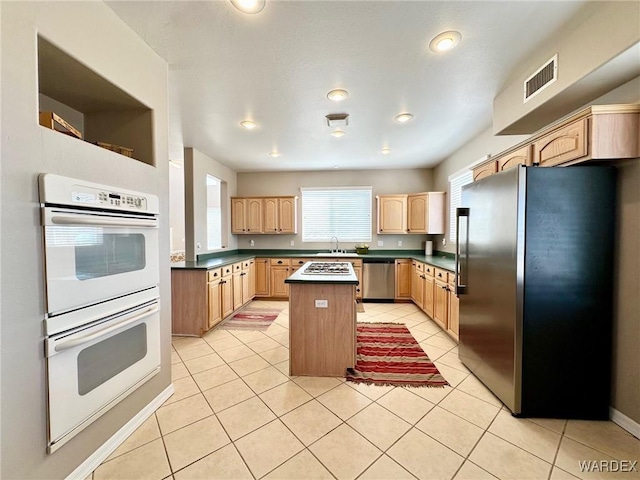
{"x": 392, "y": 213}
{"x": 425, "y": 213}
{"x": 268, "y": 215}
{"x": 599, "y": 132}
{"x": 414, "y": 213}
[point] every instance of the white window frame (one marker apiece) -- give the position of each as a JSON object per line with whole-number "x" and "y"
{"x": 456, "y": 181}
{"x": 364, "y": 214}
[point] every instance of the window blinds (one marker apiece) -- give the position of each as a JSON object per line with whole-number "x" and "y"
{"x": 456, "y": 182}
{"x": 343, "y": 212}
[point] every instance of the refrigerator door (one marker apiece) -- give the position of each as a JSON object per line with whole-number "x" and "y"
{"x": 492, "y": 252}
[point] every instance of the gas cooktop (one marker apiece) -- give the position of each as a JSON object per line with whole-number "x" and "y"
{"x": 327, "y": 268}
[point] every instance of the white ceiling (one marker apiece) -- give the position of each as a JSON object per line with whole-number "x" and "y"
{"x": 277, "y": 66}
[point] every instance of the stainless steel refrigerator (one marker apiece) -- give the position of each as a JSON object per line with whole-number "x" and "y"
{"x": 535, "y": 264}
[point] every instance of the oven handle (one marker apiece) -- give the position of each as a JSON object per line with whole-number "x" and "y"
{"x": 113, "y": 221}
{"x": 66, "y": 345}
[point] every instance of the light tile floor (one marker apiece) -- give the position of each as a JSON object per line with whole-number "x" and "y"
{"x": 237, "y": 414}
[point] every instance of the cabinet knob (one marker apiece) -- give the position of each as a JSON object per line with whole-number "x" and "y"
{"x": 279, "y": 261}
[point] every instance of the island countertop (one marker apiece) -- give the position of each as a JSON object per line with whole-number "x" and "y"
{"x": 345, "y": 279}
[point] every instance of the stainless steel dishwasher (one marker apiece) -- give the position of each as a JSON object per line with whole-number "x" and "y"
{"x": 379, "y": 278}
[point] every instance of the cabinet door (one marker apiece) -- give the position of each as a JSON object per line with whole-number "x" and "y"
{"x": 270, "y": 211}
{"x": 428, "y": 295}
{"x": 237, "y": 290}
{"x": 287, "y": 215}
{"x": 215, "y": 311}
{"x": 360, "y": 286}
{"x": 440, "y": 304}
{"x": 453, "y": 322}
{"x": 403, "y": 278}
{"x": 564, "y": 145}
{"x": 392, "y": 214}
{"x": 484, "y": 170}
{"x": 238, "y": 215}
{"x": 279, "y": 274}
{"x": 252, "y": 278}
{"x": 522, "y": 156}
{"x": 262, "y": 277}
{"x": 417, "y": 213}
{"x": 254, "y": 215}
{"x": 226, "y": 295}
{"x": 417, "y": 285}
{"x": 246, "y": 291}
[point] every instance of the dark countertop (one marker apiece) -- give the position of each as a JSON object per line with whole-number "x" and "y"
{"x": 438, "y": 260}
{"x": 300, "y": 277}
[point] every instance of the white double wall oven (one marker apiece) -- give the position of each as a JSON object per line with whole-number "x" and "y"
{"x": 102, "y": 322}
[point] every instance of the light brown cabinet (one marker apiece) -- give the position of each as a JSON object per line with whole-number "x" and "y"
{"x": 417, "y": 282}
{"x": 251, "y": 272}
{"x": 392, "y": 213}
{"x": 268, "y": 215}
{"x": 280, "y": 271}
{"x": 214, "y": 307}
{"x": 485, "y": 170}
{"x": 521, "y": 156}
{"x": 562, "y": 145}
{"x": 246, "y": 215}
{"x": 425, "y": 212}
{"x": 428, "y": 294}
{"x": 403, "y": 278}
{"x": 226, "y": 291}
{"x": 453, "y": 318}
{"x": 440, "y": 298}
{"x": 262, "y": 277}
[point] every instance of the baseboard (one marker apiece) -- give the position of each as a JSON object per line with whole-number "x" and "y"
{"x": 625, "y": 422}
{"x": 110, "y": 446}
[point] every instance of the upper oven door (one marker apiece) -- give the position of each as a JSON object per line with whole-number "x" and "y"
{"x": 92, "y": 256}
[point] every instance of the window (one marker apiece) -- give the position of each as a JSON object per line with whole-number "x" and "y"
{"x": 214, "y": 213}
{"x": 343, "y": 212}
{"x": 456, "y": 182}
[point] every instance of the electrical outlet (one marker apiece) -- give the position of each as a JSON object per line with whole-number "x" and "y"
{"x": 399, "y": 243}
{"x": 380, "y": 243}
{"x": 252, "y": 243}
{"x": 322, "y": 304}
{"x": 292, "y": 243}
{"x": 198, "y": 246}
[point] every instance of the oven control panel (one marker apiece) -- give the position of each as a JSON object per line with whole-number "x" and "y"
{"x": 59, "y": 190}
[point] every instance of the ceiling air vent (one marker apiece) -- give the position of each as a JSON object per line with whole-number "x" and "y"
{"x": 541, "y": 79}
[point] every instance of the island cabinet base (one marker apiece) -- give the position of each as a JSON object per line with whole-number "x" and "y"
{"x": 322, "y": 339}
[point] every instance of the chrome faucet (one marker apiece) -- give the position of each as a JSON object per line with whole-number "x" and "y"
{"x": 334, "y": 250}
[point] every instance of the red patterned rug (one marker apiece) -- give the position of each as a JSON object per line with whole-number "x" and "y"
{"x": 251, "y": 319}
{"x": 387, "y": 354}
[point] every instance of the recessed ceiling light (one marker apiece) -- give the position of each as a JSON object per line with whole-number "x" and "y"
{"x": 385, "y": 151}
{"x": 445, "y": 41}
{"x": 338, "y": 95}
{"x": 248, "y": 124}
{"x": 249, "y": 6}
{"x": 274, "y": 154}
{"x": 338, "y": 133}
{"x": 403, "y": 117}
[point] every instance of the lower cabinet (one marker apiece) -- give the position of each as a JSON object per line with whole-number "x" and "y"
{"x": 428, "y": 294}
{"x": 417, "y": 282}
{"x": 453, "y": 318}
{"x": 215, "y": 310}
{"x": 403, "y": 279}
{"x": 280, "y": 271}
{"x": 262, "y": 277}
{"x": 226, "y": 291}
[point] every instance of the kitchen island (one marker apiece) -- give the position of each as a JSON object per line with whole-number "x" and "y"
{"x": 322, "y": 319}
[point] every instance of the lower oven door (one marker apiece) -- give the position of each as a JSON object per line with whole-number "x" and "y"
{"x": 91, "y": 256}
{"x": 90, "y": 369}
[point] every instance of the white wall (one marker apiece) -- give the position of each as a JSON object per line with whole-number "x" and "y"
{"x": 197, "y": 166}
{"x": 94, "y": 35}
{"x": 289, "y": 183}
{"x": 176, "y": 206}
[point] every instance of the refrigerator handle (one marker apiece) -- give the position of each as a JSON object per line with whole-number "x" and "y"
{"x": 462, "y": 247}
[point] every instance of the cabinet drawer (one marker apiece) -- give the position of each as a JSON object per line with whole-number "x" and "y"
{"x": 452, "y": 279}
{"x": 441, "y": 275}
{"x": 429, "y": 270}
{"x": 298, "y": 262}
{"x": 280, "y": 261}
{"x": 237, "y": 266}
{"x": 246, "y": 264}
{"x": 420, "y": 266}
{"x": 562, "y": 146}
{"x": 227, "y": 270}
{"x": 214, "y": 274}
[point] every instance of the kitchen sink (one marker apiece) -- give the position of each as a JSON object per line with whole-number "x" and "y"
{"x": 336, "y": 254}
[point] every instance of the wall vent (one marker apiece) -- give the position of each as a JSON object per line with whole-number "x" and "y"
{"x": 541, "y": 79}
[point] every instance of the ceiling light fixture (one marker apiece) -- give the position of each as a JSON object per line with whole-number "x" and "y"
{"x": 249, "y": 6}
{"x": 385, "y": 151}
{"x": 248, "y": 124}
{"x": 274, "y": 154}
{"x": 338, "y": 133}
{"x": 445, "y": 41}
{"x": 338, "y": 95}
{"x": 403, "y": 117}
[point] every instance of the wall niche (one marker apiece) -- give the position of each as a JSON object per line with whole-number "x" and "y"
{"x": 100, "y": 111}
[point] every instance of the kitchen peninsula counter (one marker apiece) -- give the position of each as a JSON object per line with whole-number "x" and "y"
{"x": 322, "y": 322}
